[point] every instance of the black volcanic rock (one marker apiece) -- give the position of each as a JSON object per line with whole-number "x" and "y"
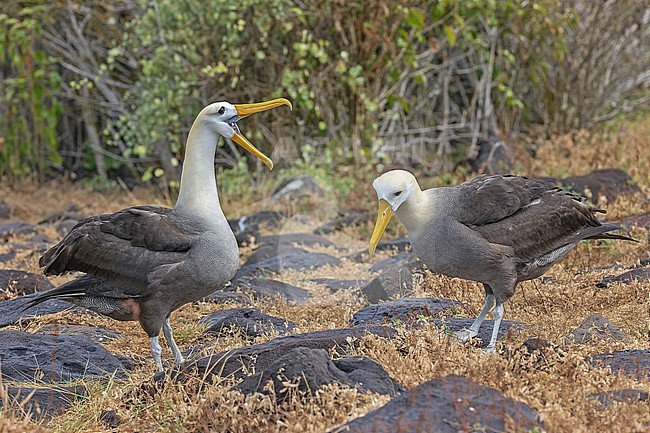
{"x": 22, "y": 283}
{"x": 608, "y": 182}
{"x": 638, "y": 274}
{"x": 403, "y": 309}
{"x": 335, "y": 285}
{"x": 258, "y": 357}
{"x": 268, "y": 288}
{"x": 595, "y": 328}
{"x": 632, "y": 362}
{"x": 447, "y": 405}
{"x": 313, "y": 368}
{"x": 44, "y": 402}
{"x": 13, "y": 311}
{"x": 251, "y": 321}
{"x": 54, "y": 358}
{"x": 10, "y": 229}
{"x": 347, "y": 218}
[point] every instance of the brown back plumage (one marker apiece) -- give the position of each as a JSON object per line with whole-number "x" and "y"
{"x": 534, "y": 218}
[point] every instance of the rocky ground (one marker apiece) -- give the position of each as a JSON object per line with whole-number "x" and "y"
{"x": 313, "y": 334}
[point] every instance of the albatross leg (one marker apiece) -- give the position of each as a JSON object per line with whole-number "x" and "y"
{"x": 498, "y": 315}
{"x": 473, "y": 330}
{"x": 167, "y": 331}
{"x": 156, "y": 352}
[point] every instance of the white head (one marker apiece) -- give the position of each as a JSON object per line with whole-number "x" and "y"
{"x": 222, "y": 117}
{"x": 393, "y": 189}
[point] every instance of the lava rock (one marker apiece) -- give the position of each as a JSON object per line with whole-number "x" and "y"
{"x": 56, "y": 358}
{"x": 269, "y": 251}
{"x": 267, "y": 288}
{"x": 66, "y": 220}
{"x": 641, "y": 221}
{"x": 13, "y": 311}
{"x": 22, "y": 283}
{"x": 5, "y": 257}
{"x": 247, "y": 237}
{"x": 10, "y": 229}
{"x": 251, "y": 321}
{"x": 396, "y": 245}
{"x": 110, "y": 418}
{"x": 493, "y": 156}
{"x": 393, "y": 282}
{"x": 296, "y": 189}
{"x": 608, "y": 182}
{"x": 447, "y": 405}
{"x": 44, "y": 402}
{"x": 71, "y": 213}
{"x": 399, "y": 260}
{"x": 299, "y": 262}
{"x": 223, "y": 297}
{"x": 595, "y": 328}
{"x": 99, "y": 335}
{"x": 631, "y": 362}
{"x": 258, "y": 357}
{"x": 622, "y": 396}
{"x": 313, "y": 368}
{"x": 348, "y": 218}
{"x": 336, "y": 285}
{"x": 638, "y": 274}
{"x": 5, "y": 209}
{"x": 306, "y": 239}
{"x": 404, "y": 310}
{"x": 267, "y": 219}
{"x": 533, "y": 345}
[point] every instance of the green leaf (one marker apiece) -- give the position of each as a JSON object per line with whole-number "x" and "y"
{"x": 451, "y": 36}
{"x": 416, "y": 18}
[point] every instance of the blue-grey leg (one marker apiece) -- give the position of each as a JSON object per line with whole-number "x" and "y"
{"x": 156, "y": 352}
{"x": 167, "y": 331}
{"x": 498, "y": 315}
{"x": 473, "y": 330}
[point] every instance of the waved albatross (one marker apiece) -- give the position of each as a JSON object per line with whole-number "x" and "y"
{"x": 496, "y": 230}
{"x": 143, "y": 262}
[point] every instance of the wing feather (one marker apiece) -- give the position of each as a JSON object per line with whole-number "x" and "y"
{"x": 121, "y": 248}
{"x": 544, "y": 219}
{"x": 488, "y": 199}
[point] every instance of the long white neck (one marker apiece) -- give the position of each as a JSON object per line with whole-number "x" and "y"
{"x": 416, "y": 211}
{"x": 198, "y": 189}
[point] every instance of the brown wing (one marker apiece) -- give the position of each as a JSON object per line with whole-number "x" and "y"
{"x": 120, "y": 248}
{"x": 488, "y": 199}
{"x": 549, "y": 221}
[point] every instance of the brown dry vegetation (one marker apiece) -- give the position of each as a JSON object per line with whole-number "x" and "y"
{"x": 557, "y": 387}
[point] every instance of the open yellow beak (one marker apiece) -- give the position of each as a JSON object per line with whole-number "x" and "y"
{"x": 245, "y": 110}
{"x": 384, "y": 214}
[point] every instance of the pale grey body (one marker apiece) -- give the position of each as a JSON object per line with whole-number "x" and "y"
{"x": 143, "y": 262}
{"x": 496, "y": 230}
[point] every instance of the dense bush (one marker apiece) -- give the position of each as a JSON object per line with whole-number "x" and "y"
{"x": 120, "y": 81}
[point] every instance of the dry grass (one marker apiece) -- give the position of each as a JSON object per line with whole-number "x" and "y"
{"x": 557, "y": 387}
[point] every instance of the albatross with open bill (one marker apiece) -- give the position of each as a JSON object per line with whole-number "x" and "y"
{"x": 497, "y": 230}
{"x": 144, "y": 262}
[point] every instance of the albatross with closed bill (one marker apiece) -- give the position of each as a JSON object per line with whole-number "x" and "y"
{"x": 497, "y": 230}
{"x": 143, "y": 262}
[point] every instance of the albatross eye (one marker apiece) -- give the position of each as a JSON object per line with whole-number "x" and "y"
{"x": 397, "y": 194}
{"x": 221, "y": 111}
